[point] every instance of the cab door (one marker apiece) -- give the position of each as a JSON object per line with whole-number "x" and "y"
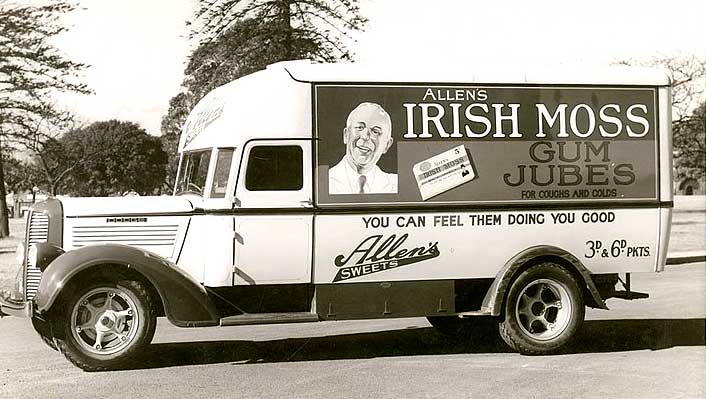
{"x": 274, "y": 214}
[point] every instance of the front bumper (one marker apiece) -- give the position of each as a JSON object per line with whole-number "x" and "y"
{"x": 17, "y": 309}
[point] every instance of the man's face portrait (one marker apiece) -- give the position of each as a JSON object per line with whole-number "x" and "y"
{"x": 367, "y": 135}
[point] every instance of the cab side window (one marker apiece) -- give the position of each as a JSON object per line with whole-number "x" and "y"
{"x": 275, "y": 168}
{"x": 220, "y": 176}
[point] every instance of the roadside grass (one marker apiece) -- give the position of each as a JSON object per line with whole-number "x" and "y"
{"x": 688, "y": 234}
{"x": 690, "y": 203}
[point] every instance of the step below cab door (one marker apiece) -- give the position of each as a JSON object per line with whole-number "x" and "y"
{"x": 274, "y": 214}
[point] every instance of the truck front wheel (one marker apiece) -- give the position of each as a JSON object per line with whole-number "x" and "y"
{"x": 543, "y": 310}
{"x": 108, "y": 323}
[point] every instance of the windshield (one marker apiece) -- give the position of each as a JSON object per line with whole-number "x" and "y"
{"x": 193, "y": 172}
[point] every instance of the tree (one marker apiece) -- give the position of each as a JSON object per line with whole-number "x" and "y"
{"x": 53, "y": 165}
{"x": 238, "y": 37}
{"x": 688, "y": 131}
{"x": 20, "y": 175}
{"x": 688, "y": 74}
{"x": 179, "y": 107}
{"x": 288, "y": 25}
{"x": 108, "y": 158}
{"x": 49, "y": 164}
{"x": 690, "y": 144}
{"x": 31, "y": 70}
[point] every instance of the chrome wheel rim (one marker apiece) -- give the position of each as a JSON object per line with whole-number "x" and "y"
{"x": 543, "y": 309}
{"x": 105, "y": 320}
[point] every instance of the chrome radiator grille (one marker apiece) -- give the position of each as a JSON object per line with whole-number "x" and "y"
{"x": 38, "y": 232}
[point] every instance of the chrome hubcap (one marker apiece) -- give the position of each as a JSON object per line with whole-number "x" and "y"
{"x": 543, "y": 309}
{"x": 104, "y": 320}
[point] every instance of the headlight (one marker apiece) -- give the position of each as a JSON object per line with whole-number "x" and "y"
{"x": 32, "y": 255}
{"x": 20, "y": 254}
{"x": 18, "y": 291}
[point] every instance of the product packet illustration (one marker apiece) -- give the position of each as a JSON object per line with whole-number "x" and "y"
{"x": 443, "y": 172}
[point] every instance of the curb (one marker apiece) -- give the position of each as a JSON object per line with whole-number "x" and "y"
{"x": 680, "y": 258}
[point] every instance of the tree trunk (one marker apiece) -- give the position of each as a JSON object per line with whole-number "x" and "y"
{"x": 4, "y": 224}
{"x": 287, "y": 26}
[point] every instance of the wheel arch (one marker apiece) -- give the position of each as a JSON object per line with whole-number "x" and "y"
{"x": 494, "y": 299}
{"x": 184, "y": 301}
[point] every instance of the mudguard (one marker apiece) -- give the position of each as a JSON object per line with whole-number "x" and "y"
{"x": 186, "y": 302}
{"x": 493, "y": 300}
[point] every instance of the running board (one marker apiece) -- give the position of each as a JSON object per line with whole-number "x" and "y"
{"x": 629, "y": 295}
{"x": 269, "y": 318}
{"x": 475, "y": 313}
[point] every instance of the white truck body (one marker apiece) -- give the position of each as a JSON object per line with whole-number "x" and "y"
{"x": 344, "y": 191}
{"x": 484, "y": 231}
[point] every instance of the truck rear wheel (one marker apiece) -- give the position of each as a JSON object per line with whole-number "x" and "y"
{"x": 108, "y": 324}
{"x": 543, "y": 310}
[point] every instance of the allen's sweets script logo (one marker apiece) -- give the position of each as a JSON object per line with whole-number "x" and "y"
{"x": 378, "y": 253}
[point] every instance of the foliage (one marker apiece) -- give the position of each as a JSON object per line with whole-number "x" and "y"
{"x": 287, "y": 25}
{"x": 31, "y": 70}
{"x": 179, "y": 107}
{"x": 20, "y": 175}
{"x": 688, "y": 90}
{"x": 688, "y": 74}
{"x": 170, "y": 146}
{"x": 688, "y": 84}
{"x": 690, "y": 144}
{"x": 49, "y": 165}
{"x": 238, "y": 37}
{"x": 53, "y": 164}
{"x": 688, "y": 130}
{"x": 109, "y": 158}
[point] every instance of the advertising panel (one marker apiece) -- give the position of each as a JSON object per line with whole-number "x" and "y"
{"x": 387, "y": 144}
{"x": 467, "y": 245}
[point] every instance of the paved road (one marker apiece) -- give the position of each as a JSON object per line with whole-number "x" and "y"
{"x": 652, "y": 348}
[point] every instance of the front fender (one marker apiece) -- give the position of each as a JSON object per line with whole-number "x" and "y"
{"x": 496, "y": 293}
{"x": 186, "y": 302}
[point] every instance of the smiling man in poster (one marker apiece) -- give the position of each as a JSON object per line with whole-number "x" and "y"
{"x": 367, "y": 136}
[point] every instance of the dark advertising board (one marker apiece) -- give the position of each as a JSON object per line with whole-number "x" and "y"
{"x": 439, "y": 144}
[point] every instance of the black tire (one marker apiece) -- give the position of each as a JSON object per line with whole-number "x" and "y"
{"x": 105, "y": 325}
{"x": 41, "y": 327}
{"x": 543, "y": 310}
{"x": 49, "y": 341}
{"x": 452, "y": 326}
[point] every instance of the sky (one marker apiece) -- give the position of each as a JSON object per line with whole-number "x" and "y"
{"x": 137, "y": 50}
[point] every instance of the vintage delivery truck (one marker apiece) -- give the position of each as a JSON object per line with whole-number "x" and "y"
{"x": 313, "y": 192}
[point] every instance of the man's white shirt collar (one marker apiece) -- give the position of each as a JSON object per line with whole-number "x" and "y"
{"x": 353, "y": 175}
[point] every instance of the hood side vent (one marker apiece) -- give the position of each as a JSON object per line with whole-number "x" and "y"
{"x": 156, "y": 238}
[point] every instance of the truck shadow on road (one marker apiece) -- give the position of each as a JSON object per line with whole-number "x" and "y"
{"x": 595, "y": 336}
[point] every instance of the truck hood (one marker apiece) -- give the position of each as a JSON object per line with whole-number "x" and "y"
{"x": 99, "y": 206}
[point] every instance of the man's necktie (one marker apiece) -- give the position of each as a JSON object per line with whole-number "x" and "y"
{"x": 361, "y": 184}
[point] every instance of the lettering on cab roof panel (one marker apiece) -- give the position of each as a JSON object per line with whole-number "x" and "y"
{"x": 427, "y": 144}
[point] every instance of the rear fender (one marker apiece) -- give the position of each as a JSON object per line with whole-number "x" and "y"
{"x": 186, "y": 302}
{"x": 495, "y": 296}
